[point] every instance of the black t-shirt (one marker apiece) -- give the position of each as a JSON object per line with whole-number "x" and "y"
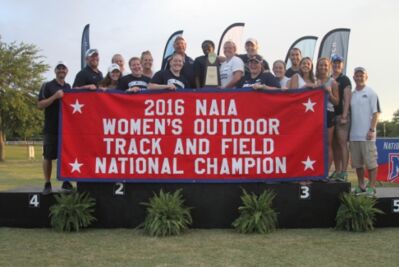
{"x": 290, "y": 72}
{"x": 343, "y": 81}
{"x": 130, "y": 81}
{"x": 51, "y": 112}
{"x": 265, "y": 78}
{"x": 245, "y": 57}
{"x": 87, "y": 76}
{"x": 187, "y": 71}
{"x": 167, "y": 77}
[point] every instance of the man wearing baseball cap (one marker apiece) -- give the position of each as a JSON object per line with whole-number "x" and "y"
{"x": 252, "y": 47}
{"x": 342, "y": 120}
{"x": 49, "y": 96}
{"x": 365, "y": 110}
{"x": 89, "y": 76}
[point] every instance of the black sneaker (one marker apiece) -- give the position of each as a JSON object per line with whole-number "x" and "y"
{"x": 67, "y": 187}
{"x": 47, "y": 188}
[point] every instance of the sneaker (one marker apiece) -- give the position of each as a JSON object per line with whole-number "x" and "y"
{"x": 342, "y": 177}
{"x": 47, "y": 188}
{"x": 333, "y": 176}
{"x": 359, "y": 191}
{"x": 370, "y": 191}
{"x": 67, "y": 187}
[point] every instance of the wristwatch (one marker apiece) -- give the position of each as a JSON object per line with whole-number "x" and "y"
{"x": 372, "y": 130}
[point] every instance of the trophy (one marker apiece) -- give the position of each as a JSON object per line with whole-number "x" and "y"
{"x": 212, "y": 77}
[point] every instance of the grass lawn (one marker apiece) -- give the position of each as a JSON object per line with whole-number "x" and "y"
{"x": 19, "y": 171}
{"x": 123, "y": 247}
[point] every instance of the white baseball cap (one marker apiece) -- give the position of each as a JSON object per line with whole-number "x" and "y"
{"x": 113, "y": 67}
{"x": 60, "y": 63}
{"x": 91, "y": 52}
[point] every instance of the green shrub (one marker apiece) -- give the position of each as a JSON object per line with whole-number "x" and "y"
{"x": 72, "y": 212}
{"x": 166, "y": 214}
{"x": 356, "y": 213}
{"x": 256, "y": 213}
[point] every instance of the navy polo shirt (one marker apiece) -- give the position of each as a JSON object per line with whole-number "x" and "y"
{"x": 87, "y": 76}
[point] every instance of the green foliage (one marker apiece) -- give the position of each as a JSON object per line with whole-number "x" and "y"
{"x": 166, "y": 214}
{"x": 72, "y": 212}
{"x": 256, "y": 213}
{"x": 21, "y": 71}
{"x": 356, "y": 213}
{"x": 389, "y": 128}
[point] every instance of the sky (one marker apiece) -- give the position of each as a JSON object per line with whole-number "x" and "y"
{"x": 130, "y": 27}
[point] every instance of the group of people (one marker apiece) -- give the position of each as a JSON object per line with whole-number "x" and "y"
{"x": 350, "y": 114}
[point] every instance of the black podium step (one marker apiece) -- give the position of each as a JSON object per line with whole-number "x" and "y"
{"x": 214, "y": 205}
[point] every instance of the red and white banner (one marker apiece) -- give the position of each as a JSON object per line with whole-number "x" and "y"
{"x": 193, "y": 136}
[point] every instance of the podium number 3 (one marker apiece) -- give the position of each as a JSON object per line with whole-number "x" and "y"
{"x": 304, "y": 192}
{"x": 34, "y": 201}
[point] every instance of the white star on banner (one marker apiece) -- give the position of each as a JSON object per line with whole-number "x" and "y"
{"x": 77, "y": 107}
{"x": 309, "y": 105}
{"x": 76, "y": 166}
{"x": 308, "y": 164}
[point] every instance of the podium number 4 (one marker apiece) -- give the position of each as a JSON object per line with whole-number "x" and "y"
{"x": 119, "y": 189}
{"x": 395, "y": 206}
{"x": 34, "y": 200}
{"x": 304, "y": 192}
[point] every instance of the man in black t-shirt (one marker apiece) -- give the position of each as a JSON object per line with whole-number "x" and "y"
{"x": 135, "y": 81}
{"x": 188, "y": 70}
{"x": 252, "y": 47}
{"x": 89, "y": 76}
{"x": 49, "y": 96}
{"x": 295, "y": 58}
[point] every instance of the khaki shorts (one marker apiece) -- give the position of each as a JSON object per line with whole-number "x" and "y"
{"x": 364, "y": 153}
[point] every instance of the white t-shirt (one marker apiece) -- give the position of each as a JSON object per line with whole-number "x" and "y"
{"x": 228, "y": 68}
{"x": 284, "y": 82}
{"x": 301, "y": 81}
{"x": 364, "y": 104}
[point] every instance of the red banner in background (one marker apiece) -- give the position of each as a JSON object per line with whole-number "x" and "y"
{"x": 193, "y": 136}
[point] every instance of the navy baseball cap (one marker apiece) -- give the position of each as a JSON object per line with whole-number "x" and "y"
{"x": 256, "y": 58}
{"x": 337, "y": 58}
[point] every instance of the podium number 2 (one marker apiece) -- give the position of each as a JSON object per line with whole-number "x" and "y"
{"x": 395, "y": 206}
{"x": 34, "y": 201}
{"x": 304, "y": 192}
{"x": 119, "y": 189}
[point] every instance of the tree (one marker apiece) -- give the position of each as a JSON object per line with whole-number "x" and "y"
{"x": 21, "y": 74}
{"x": 395, "y": 118}
{"x": 389, "y": 128}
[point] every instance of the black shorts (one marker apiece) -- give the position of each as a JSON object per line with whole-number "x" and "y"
{"x": 50, "y": 146}
{"x": 330, "y": 119}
